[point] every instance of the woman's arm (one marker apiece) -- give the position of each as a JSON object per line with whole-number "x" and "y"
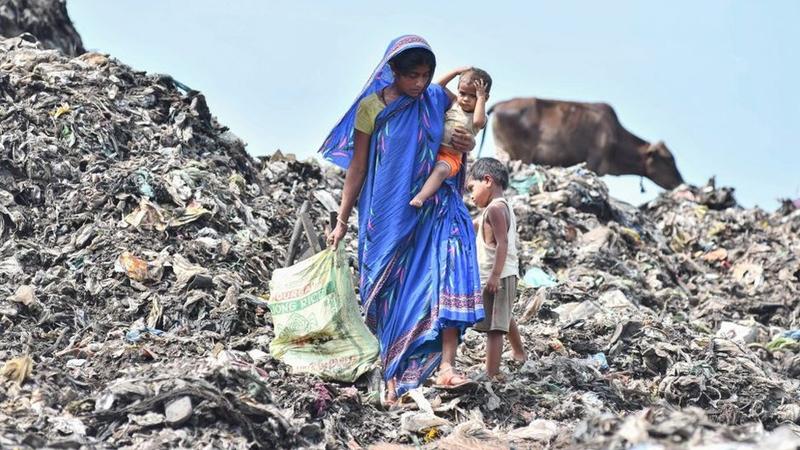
{"x": 353, "y": 181}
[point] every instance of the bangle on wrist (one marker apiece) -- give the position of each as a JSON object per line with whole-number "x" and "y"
{"x": 339, "y": 219}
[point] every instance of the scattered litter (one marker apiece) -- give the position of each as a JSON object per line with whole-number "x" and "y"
{"x": 25, "y": 295}
{"x": 18, "y": 369}
{"x": 538, "y": 430}
{"x": 178, "y": 411}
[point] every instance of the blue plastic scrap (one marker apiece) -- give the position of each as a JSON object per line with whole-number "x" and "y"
{"x": 536, "y": 277}
{"x": 599, "y": 359}
{"x": 134, "y": 336}
{"x": 791, "y": 334}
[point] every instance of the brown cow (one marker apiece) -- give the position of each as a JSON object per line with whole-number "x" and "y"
{"x": 562, "y": 133}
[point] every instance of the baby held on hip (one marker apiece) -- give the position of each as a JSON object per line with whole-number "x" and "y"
{"x": 467, "y": 113}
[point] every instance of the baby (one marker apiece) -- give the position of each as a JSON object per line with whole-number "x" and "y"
{"x": 468, "y": 111}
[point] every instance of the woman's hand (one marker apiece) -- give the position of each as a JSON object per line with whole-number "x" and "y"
{"x": 462, "y": 140}
{"x": 337, "y": 234}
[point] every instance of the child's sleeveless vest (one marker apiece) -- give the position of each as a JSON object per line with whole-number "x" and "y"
{"x": 486, "y": 253}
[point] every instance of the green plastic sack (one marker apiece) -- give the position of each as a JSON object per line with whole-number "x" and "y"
{"x": 317, "y": 321}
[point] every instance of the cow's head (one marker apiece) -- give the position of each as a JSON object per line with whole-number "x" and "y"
{"x": 660, "y": 166}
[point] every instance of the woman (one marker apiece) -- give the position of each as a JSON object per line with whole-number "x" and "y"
{"x": 419, "y": 279}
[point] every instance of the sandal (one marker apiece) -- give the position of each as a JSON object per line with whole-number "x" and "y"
{"x": 444, "y": 380}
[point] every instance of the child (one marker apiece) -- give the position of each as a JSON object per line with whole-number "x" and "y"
{"x": 468, "y": 111}
{"x": 497, "y": 260}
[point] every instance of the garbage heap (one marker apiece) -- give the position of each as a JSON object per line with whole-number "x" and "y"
{"x": 632, "y": 314}
{"x": 137, "y": 237}
{"x": 47, "y": 20}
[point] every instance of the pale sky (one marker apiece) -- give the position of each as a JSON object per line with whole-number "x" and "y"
{"x": 716, "y": 80}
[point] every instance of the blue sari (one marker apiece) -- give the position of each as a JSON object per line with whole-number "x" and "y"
{"x": 419, "y": 271}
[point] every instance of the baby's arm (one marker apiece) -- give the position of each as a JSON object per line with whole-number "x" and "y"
{"x": 448, "y": 77}
{"x": 479, "y": 115}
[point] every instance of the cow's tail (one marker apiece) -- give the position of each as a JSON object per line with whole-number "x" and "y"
{"x": 483, "y": 133}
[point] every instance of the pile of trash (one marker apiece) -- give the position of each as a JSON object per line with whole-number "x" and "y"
{"x": 137, "y": 237}
{"x": 44, "y": 20}
{"x": 673, "y": 325}
{"x": 687, "y": 302}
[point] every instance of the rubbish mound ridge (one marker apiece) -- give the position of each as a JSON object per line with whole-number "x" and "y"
{"x": 46, "y": 20}
{"x": 137, "y": 237}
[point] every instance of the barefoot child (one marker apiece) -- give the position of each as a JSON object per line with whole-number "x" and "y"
{"x": 497, "y": 259}
{"x": 468, "y": 111}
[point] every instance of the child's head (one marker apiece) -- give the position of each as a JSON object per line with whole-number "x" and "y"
{"x": 467, "y": 95}
{"x": 413, "y": 70}
{"x": 487, "y": 179}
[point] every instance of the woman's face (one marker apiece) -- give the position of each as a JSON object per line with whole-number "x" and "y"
{"x": 413, "y": 82}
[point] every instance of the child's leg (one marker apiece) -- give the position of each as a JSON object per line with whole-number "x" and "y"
{"x": 494, "y": 347}
{"x": 514, "y": 338}
{"x": 440, "y": 173}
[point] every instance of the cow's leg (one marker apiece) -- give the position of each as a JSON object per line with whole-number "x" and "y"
{"x": 597, "y": 164}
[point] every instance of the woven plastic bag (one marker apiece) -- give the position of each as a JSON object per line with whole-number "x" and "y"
{"x": 317, "y": 321}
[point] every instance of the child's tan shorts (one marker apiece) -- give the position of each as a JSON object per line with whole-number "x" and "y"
{"x": 498, "y": 306}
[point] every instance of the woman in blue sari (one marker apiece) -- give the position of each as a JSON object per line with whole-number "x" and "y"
{"x": 419, "y": 277}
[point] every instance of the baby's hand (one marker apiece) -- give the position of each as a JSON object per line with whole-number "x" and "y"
{"x": 480, "y": 88}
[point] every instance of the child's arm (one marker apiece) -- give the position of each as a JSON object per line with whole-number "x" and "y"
{"x": 496, "y": 216}
{"x": 479, "y": 115}
{"x": 448, "y": 77}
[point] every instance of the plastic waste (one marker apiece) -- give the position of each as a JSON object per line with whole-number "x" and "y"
{"x": 536, "y": 277}
{"x": 318, "y": 325}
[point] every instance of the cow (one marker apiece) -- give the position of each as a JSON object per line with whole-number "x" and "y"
{"x": 564, "y": 133}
